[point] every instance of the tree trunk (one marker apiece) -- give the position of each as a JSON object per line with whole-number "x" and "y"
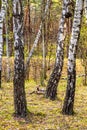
{"x": 71, "y": 83}
{"x": 51, "y": 90}
{"x": 28, "y": 33}
{"x": 7, "y": 31}
{"x": 19, "y": 75}
{"x": 10, "y": 28}
{"x": 37, "y": 36}
{"x": 2, "y": 16}
{"x": 7, "y": 52}
{"x": 43, "y": 72}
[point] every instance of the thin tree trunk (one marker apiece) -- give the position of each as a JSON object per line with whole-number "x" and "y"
{"x": 48, "y": 37}
{"x": 2, "y": 16}
{"x": 10, "y": 28}
{"x": 29, "y": 35}
{"x": 29, "y": 45}
{"x": 43, "y": 72}
{"x": 7, "y": 52}
{"x": 71, "y": 83}
{"x": 7, "y": 44}
{"x": 19, "y": 75}
{"x": 51, "y": 90}
{"x": 37, "y": 36}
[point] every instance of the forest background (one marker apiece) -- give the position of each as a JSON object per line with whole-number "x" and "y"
{"x": 41, "y": 64}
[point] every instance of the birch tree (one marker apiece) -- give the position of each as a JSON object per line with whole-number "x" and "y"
{"x": 2, "y": 16}
{"x": 19, "y": 76}
{"x": 71, "y": 82}
{"x": 51, "y": 90}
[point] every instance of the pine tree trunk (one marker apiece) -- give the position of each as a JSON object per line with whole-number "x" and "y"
{"x": 28, "y": 33}
{"x": 2, "y": 16}
{"x": 10, "y": 28}
{"x": 51, "y": 90}
{"x": 71, "y": 83}
{"x": 7, "y": 44}
{"x": 7, "y": 52}
{"x": 43, "y": 73}
{"x": 37, "y": 36}
{"x": 19, "y": 75}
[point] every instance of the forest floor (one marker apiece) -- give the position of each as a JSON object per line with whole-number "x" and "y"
{"x": 43, "y": 113}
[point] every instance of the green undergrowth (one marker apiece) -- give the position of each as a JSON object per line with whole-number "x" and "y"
{"x": 43, "y": 114}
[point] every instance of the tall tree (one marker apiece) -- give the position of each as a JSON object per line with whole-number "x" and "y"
{"x": 2, "y": 16}
{"x": 38, "y": 35}
{"x": 19, "y": 75}
{"x": 51, "y": 90}
{"x": 10, "y": 28}
{"x": 43, "y": 73}
{"x": 27, "y": 26}
{"x": 27, "y": 31}
{"x": 71, "y": 82}
{"x": 9, "y": 38}
{"x": 7, "y": 50}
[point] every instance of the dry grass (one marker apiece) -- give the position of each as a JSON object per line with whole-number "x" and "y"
{"x": 36, "y": 66}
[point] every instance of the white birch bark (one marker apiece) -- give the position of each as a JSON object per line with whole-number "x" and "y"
{"x": 37, "y": 36}
{"x": 19, "y": 75}
{"x": 71, "y": 82}
{"x": 51, "y": 90}
{"x": 2, "y": 16}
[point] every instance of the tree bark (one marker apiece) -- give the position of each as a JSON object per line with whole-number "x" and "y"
{"x": 51, "y": 90}
{"x": 7, "y": 52}
{"x": 27, "y": 31}
{"x": 37, "y": 36}
{"x": 71, "y": 82}
{"x": 43, "y": 72}
{"x": 10, "y": 28}
{"x": 2, "y": 16}
{"x": 19, "y": 75}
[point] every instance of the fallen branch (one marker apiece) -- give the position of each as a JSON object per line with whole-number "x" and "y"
{"x": 39, "y": 91}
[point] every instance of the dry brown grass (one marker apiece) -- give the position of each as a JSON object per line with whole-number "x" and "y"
{"x": 36, "y": 66}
